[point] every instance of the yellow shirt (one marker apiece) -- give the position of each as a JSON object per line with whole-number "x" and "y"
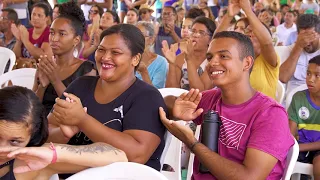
{"x": 264, "y": 77}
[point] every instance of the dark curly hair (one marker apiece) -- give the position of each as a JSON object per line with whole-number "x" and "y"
{"x": 74, "y": 14}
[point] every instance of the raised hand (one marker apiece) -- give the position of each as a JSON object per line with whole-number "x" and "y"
{"x": 234, "y": 8}
{"x": 189, "y": 49}
{"x": 67, "y": 112}
{"x": 185, "y": 107}
{"x": 305, "y": 37}
{"x": 49, "y": 67}
{"x": 182, "y": 132}
{"x": 169, "y": 53}
{"x": 70, "y": 131}
{"x": 44, "y": 80}
{"x": 245, "y": 5}
{"x": 24, "y": 33}
{"x": 15, "y": 31}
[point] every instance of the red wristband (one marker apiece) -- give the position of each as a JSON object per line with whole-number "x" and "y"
{"x": 54, "y": 156}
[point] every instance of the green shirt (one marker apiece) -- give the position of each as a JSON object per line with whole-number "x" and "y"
{"x": 307, "y": 116}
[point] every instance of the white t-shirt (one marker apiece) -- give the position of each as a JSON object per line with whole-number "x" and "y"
{"x": 86, "y": 8}
{"x": 211, "y": 3}
{"x": 283, "y": 32}
{"x": 299, "y": 76}
{"x": 313, "y": 6}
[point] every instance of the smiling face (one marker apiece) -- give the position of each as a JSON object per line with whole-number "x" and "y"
{"x": 62, "y": 38}
{"x": 225, "y": 66}
{"x": 13, "y": 134}
{"x": 114, "y": 59}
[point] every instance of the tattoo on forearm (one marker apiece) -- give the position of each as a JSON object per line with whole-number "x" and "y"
{"x": 93, "y": 148}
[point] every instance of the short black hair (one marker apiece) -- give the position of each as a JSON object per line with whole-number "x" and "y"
{"x": 284, "y": 5}
{"x": 244, "y": 42}
{"x": 72, "y": 12}
{"x": 293, "y": 12}
{"x": 21, "y": 105}
{"x": 194, "y": 13}
{"x": 12, "y": 15}
{"x": 114, "y": 15}
{"x": 306, "y": 21}
{"x": 43, "y": 6}
{"x": 210, "y": 25}
{"x": 130, "y": 34}
{"x": 172, "y": 8}
{"x": 315, "y": 60}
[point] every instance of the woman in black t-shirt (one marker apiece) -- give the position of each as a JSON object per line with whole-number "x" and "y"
{"x": 121, "y": 109}
{"x": 55, "y": 74}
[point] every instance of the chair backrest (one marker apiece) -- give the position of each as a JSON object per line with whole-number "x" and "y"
{"x": 20, "y": 77}
{"x": 291, "y": 160}
{"x": 280, "y": 92}
{"x": 172, "y": 145}
{"x": 6, "y": 55}
{"x": 292, "y": 92}
{"x": 283, "y": 52}
{"x": 119, "y": 170}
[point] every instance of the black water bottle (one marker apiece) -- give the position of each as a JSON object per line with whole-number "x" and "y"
{"x": 210, "y": 134}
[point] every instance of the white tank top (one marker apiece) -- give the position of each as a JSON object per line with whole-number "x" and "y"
{"x": 184, "y": 82}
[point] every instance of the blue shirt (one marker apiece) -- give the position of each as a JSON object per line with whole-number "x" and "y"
{"x": 157, "y": 72}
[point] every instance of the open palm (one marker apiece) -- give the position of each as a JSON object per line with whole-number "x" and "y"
{"x": 169, "y": 53}
{"x": 185, "y": 107}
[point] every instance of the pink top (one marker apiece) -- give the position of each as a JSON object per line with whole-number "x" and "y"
{"x": 44, "y": 37}
{"x": 259, "y": 123}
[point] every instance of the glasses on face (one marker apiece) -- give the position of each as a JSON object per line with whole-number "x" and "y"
{"x": 143, "y": 12}
{"x": 3, "y": 18}
{"x": 194, "y": 32}
{"x": 93, "y": 11}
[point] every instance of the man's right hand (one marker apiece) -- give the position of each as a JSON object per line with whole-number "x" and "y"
{"x": 185, "y": 107}
{"x": 305, "y": 37}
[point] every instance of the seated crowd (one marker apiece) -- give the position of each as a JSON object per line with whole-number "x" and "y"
{"x": 95, "y": 98}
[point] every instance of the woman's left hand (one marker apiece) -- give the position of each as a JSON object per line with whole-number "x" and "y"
{"x": 24, "y": 34}
{"x": 49, "y": 67}
{"x": 35, "y": 158}
{"x": 69, "y": 112}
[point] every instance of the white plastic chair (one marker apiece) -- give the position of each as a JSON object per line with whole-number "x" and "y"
{"x": 5, "y": 56}
{"x": 283, "y": 52}
{"x": 119, "y": 170}
{"x": 21, "y": 77}
{"x": 291, "y": 160}
{"x": 280, "y": 92}
{"x": 172, "y": 152}
{"x": 54, "y": 177}
{"x": 191, "y": 159}
{"x": 302, "y": 168}
{"x": 292, "y": 92}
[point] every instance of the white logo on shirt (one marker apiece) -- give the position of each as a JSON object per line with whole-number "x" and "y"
{"x": 304, "y": 113}
{"x": 119, "y": 109}
{"x": 231, "y": 133}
